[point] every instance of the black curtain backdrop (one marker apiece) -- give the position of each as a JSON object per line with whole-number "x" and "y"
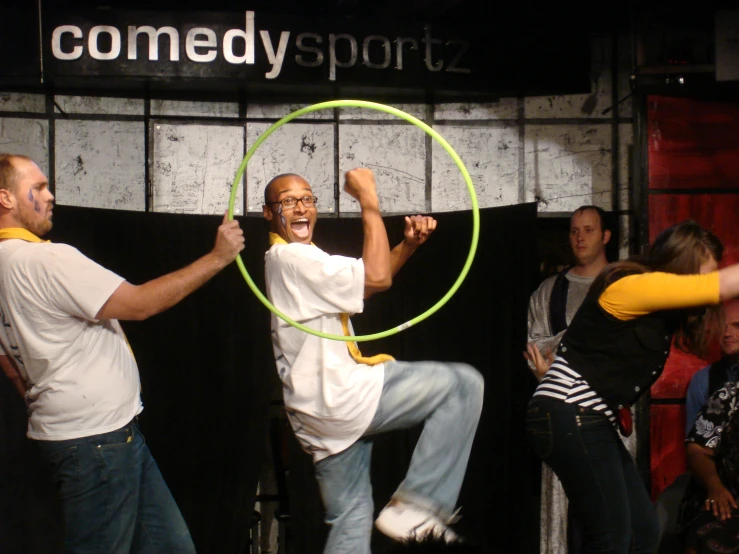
{"x": 208, "y": 373}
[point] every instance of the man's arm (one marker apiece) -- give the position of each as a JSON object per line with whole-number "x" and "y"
{"x": 360, "y": 184}
{"x": 539, "y": 331}
{"x": 132, "y": 302}
{"x": 700, "y": 461}
{"x": 12, "y": 373}
{"x": 696, "y": 397}
{"x": 417, "y": 230}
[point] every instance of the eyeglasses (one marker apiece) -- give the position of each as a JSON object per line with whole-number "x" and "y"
{"x": 289, "y": 203}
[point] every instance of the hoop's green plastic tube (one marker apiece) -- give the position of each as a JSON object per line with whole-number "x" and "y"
{"x": 438, "y": 138}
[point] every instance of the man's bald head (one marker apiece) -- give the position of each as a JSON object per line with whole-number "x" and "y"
{"x": 271, "y": 191}
{"x": 290, "y": 208}
{"x": 8, "y": 171}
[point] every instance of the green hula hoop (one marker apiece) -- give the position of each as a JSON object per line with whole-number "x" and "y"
{"x": 438, "y": 138}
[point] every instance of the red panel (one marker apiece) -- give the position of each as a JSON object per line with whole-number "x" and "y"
{"x": 679, "y": 368}
{"x": 716, "y": 212}
{"x": 692, "y": 143}
{"x": 667, "y": 436}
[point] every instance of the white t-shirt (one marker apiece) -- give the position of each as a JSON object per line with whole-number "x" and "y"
{"x": 330, "y": 399}
{"x": 83, "y": 376}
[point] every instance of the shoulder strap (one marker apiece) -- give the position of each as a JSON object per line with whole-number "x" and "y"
{"x": 558, "y": 303}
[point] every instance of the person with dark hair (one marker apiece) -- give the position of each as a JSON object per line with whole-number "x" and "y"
{"x": 551, "y": 308}
{"x": 614, "y": 349}
{"x": 712, "y": 377}
{"x": 62, "y": 346}
{"x": 336, "y": 399}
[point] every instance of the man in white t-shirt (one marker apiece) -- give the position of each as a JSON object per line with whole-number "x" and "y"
{"x": 62, "y": 346}
{"x": 336, "y": 400}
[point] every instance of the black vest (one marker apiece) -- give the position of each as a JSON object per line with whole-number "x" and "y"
{"x": 558, "y": 302}
{"x": 620, "y": 360}
{"x": 718, "y": 374}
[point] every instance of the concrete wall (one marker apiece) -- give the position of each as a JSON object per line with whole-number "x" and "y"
{"x": 558, "y": 151}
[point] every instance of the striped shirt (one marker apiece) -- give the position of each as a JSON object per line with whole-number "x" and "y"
{"x": 625, "y": 299}
{"x": 565, "y": 384}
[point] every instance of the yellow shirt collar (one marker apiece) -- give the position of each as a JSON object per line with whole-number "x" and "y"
{"x": 19, "y": 233}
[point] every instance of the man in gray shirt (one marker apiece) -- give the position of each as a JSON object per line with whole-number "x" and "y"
{"x": 551, "y": 309}
{"x": 555, "y": 302}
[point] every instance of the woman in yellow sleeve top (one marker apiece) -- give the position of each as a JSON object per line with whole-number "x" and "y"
{"x": 613, "y": 351}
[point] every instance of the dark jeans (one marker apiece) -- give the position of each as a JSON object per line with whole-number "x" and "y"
{"x": 597, "y": 473}
{"x": 114, "y": 498}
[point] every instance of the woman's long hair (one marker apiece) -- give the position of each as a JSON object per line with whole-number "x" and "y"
{"x": 680, "y": 249}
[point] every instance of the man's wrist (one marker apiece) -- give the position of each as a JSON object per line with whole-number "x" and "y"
{"x": 409, "y": 246}
{"x": 216, "y": 260}
{"x": 713, "y": 484}
{"x": 369, "y": 205}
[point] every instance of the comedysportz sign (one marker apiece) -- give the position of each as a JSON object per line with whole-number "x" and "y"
{"x": 247, "y": 47}
{"x": 263, "y": 52}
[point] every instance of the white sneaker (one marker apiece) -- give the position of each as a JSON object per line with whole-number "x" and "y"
{"x": 404, "y": 522}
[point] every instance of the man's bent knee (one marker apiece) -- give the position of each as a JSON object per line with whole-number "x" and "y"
{"x": 472, "y": 383}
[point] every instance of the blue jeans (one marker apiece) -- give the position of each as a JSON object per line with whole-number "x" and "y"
{"x": 114, "y": 498}
{"x": 601, "y": 481}
{"x": 447, "y": 399}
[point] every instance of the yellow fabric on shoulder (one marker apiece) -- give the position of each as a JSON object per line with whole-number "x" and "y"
{"x": 637, "y": 295}
{"x": 354, "y": 351}
{"x": 25, "y": 234}
{"x": 19, "y": 233}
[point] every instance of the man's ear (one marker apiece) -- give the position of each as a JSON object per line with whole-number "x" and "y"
{"x": 7, "y": 199}
{"x": 606, "y": 236}
{"x": 267, "y": 212}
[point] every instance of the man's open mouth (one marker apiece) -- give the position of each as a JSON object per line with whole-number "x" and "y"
{"x": 301, "y": 228}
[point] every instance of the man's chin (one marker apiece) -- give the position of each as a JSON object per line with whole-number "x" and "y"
{"x": 301, "y": 240}
{"x": 41, "y": 231}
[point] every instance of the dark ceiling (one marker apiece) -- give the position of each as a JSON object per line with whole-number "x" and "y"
{"x": 593, "y": 15}
{"x": 494, "y": 13}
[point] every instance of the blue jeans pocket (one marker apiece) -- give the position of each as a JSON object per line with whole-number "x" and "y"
{"x": 539, "y": 431}
{"x": 66, "y": 466}
{"x": 118, "y": 438}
